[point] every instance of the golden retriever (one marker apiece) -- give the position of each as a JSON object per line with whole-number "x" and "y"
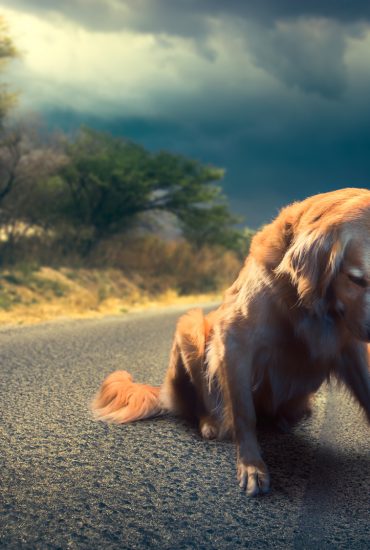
{"x": 297, "y": 315}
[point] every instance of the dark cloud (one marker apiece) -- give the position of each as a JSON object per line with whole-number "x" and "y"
{"x": 308, "y": 55}
{"x": 154, "y": 16}
{"x": 189, "y": 18}
{"x": 289, "y": 119}
{"x": 269, "y": 162}
{"x": 302, "y": 44}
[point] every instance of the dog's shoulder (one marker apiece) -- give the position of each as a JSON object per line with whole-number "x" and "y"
{"x": 272, "y": 241}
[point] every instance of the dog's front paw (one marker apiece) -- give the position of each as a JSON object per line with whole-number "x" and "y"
{"x": 253, "y": 478}
{"x": 208, "y": 427}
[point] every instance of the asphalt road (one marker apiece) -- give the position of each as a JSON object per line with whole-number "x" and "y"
{"x": 69, "y": 482}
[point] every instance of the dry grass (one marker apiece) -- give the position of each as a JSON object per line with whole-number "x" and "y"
{"x": 157, "y": 265}
{"x": 52, "y": 294}
{"x": 58, "y": 309}
{"x": 122, "y": 275}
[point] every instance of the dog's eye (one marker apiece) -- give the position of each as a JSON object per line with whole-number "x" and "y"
{"x": 359, "y": 281}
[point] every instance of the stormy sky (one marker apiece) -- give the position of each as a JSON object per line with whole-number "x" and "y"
{"x": 276, "y": 91}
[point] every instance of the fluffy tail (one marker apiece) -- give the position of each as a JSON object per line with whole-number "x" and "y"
{"x": 120, "y": 400}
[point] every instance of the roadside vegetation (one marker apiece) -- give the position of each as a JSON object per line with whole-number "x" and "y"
{"x": 93, "y": 222}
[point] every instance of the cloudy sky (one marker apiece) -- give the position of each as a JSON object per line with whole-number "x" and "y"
{"x": 274, "y": 91}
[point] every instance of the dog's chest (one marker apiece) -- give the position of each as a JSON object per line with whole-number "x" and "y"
{"x": 285, "y": 370}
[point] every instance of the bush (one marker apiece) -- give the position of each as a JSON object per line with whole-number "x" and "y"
{"x": 169, "y": 264}
{"x": 151, "y": 263}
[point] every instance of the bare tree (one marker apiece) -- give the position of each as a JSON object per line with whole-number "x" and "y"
{"x": 27, "y": 166}
{"x": 8, "y": 52}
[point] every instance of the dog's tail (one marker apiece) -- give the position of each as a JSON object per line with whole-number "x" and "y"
{"x": 121, "y": 400}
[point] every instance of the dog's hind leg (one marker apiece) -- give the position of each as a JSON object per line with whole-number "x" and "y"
{"x": 185, "y": 390}
{"x": 178, "y": 393}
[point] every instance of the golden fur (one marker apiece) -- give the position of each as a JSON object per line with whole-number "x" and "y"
{"x": 297, "y": 315}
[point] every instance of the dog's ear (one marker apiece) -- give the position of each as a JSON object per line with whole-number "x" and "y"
{"x": 311, "y": 262}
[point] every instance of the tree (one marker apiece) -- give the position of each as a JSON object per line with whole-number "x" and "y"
{"x": 9, "y": 140}
{"x": 214, "y": 226}
{"x": 111, "y": 180}
{"x": 29, "y": 189}
{"x": 107, "y": 180}
{"x": 7, "y": 52}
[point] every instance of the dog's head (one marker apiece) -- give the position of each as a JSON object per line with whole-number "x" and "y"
{"x": 326, "y": 255}
{"x": 351, "y": 283}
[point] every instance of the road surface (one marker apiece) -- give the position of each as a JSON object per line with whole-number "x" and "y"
{"x": 69, "y": 482}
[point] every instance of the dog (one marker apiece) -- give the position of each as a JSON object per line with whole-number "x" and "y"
{"x": 297, "y": 315}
